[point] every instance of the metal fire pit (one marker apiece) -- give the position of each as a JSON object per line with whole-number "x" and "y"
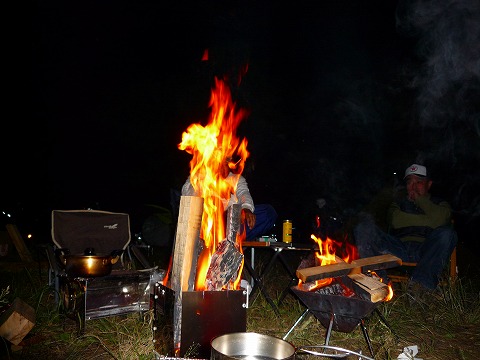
{"x": 338, "y": 312}
{"x": 205, "y": 315}
{"x": 346, "y": 312}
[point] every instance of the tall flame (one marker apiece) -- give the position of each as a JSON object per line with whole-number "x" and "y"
{"x": 210, "y": 147}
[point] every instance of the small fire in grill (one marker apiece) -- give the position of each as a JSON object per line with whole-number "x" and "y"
{"x": 329, "y": 268}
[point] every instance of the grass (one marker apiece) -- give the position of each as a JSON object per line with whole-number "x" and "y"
{"x": 443, "y": 327}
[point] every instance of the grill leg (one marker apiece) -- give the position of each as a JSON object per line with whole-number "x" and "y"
{"x": 296, "y": 323}
{"x": 367, "y": 338}
{"x": 329, "y": 330}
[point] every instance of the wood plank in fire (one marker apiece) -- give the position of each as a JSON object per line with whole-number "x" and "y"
{"x": 379, "y": 262}
{"x": 342, "y": 269}
{"x": 323, "y": 272}
{"x": 369, "y": 288}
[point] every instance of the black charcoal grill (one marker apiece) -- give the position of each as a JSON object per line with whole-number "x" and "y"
{"x": 337, "y": 309}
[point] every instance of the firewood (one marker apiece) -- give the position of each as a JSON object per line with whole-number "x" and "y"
{"x": 377, "y": 262}
{"x": 17, "y": 321}
{"x": 342, "y": 269}
{"x": 187, "y": 240}
{"x": 368, "y": 287}
{"x": 224, "y": 266}
{"x": 323, "y": 272}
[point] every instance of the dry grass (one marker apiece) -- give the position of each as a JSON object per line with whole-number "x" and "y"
{"x": 447, "y": 327}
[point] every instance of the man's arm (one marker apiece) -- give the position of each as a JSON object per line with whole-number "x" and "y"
{"x": 435, "y": 214}
{"x": 245, "y": 199}
{"x": 243, "y": 195}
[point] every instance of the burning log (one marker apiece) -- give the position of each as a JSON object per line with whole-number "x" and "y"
{"x": 342, "y": 269}
{"x": 224, "y": 266}
{"x": 379, "y": 262}
{"x": 185, "y": 259}
{"x": 226, "y": 261}
{"x": 369, "y": 288}
{"x": 234, "y": 220}
{"x": 186, "y": 243}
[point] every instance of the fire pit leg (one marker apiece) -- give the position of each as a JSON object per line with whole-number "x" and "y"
{"x": 329, "y": 330}
{"x": 296, "y": 323}
{"x": 367, "y": 338}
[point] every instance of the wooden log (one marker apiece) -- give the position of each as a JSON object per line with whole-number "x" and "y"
{"x": 342, "y": 269}
{"x": 323, "y": 272}
{"x": 186, "y": 239}
{"x": 19, "y": 243}
{"x": 234, "y": 221}
{"x": 368, "y": 287}
{"x": 17, "y": 321}
{"x": 227, "y": 259}
{"x": 224, "y": 266}
{"x": 184, "y": 264}
{"x": 379, "y": 262}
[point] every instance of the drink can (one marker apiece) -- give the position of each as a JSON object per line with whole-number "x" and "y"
{"x": 287, "y": 231}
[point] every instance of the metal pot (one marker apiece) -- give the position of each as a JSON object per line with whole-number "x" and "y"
{"x": 89, "y": 264}
{"x": 237, "y": 346}
{"x": 252, "y": 346}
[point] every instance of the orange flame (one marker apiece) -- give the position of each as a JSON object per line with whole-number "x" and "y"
{"x": 325, "y": 256}
{"x": 390, "y": 288}
{"x": 212, "y": 148}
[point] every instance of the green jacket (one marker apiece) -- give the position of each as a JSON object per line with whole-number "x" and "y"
{"x": 413, "y": 221}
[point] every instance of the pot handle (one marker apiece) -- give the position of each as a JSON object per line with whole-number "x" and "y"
{"x": 344, "y": 352}
{"x": 115, "y": 255}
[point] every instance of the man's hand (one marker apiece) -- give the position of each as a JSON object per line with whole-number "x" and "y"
{"x": 249, "y": 217}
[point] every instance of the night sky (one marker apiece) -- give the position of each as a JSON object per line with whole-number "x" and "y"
{"x": 341, "y": 95}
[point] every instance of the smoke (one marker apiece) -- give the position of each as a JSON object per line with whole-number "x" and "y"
{"x": 448, "y": 88}
{"x": 448, "y": 35}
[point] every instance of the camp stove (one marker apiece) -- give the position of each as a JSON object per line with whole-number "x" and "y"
{"x": 118, "y": 290}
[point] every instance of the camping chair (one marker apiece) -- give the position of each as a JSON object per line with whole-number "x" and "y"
{"x": 402, "y": 274}
{"x": 121, "y": 291}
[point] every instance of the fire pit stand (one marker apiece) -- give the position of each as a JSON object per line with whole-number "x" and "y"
{"x": 337, "y": 312}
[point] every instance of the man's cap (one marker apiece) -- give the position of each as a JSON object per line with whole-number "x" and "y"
{"x": 417, "y": 170}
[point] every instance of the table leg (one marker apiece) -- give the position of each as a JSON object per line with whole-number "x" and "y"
{"x": 258, "y": 283}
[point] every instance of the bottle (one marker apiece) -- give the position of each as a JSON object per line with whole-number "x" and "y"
{"x": 287, "y": 231}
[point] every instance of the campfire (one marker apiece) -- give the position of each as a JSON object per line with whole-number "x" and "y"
{"x": 323, "y": 272}
{"x": 207, "y": 260}
{"x": 207, "y": 256}
{"x": 210, "y": 146}
{"x": 341, "y": 291}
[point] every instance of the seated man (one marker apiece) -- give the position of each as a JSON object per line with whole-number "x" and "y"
{"x": 420, "y": 231}
{"x": 259, "y": 219}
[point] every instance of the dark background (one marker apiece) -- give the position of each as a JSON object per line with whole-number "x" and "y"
{"x": 341, "y": 94}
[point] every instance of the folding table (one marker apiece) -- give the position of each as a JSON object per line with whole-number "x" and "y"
{"x": 277, "y": 248}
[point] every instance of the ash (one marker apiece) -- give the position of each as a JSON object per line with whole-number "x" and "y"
{"x": 336, "y": 289}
